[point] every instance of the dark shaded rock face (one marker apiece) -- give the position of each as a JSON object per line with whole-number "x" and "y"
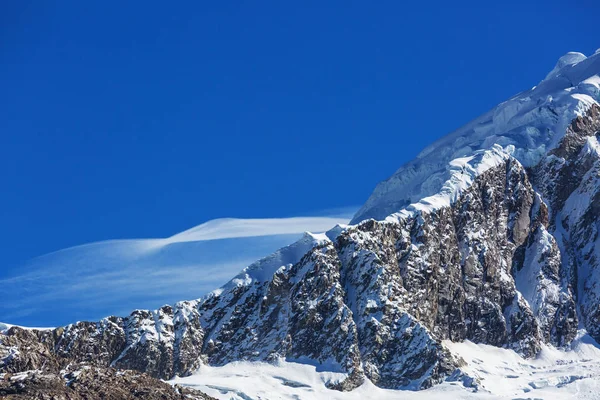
{"x": 507, "y": 262}
{"x": 86, "y": 382}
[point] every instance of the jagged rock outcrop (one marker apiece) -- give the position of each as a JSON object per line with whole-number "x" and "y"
{"x": 494, "y": 239}
{"x": 79, "y": 382}
{"x": 32, "y": 369}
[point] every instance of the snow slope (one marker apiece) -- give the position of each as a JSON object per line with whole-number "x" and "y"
{"x": 498, "y": 373}
{"x": 294, "y": 381}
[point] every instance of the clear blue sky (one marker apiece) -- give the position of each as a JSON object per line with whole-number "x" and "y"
{"x": 138, "y": 119}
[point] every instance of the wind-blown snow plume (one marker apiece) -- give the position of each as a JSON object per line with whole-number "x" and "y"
{"x": 115, "y": 276}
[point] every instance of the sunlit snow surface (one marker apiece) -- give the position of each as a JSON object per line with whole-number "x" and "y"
{"x": 499, "y": 374}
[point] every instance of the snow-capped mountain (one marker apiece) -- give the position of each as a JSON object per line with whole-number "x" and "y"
{"x": 490, "y": 236}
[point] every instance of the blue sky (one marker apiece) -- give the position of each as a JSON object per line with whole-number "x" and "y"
{"x": 139, "y": 120}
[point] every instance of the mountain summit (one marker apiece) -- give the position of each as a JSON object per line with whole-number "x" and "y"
{"x": 530, "y": 124}
{"x": 491, "y": 235}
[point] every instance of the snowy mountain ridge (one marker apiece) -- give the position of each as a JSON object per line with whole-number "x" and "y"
{"x": 490, "y": 236}
{"x": 533, "y": 122}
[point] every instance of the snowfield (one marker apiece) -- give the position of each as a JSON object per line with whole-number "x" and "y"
{"x": 493, "y": 372}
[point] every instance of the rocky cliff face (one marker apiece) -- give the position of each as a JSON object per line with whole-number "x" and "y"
{"x": 570, "y": 179}
{"x": 505, "y": 251}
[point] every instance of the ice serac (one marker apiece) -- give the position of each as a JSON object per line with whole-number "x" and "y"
{"x": 491, "y": 235}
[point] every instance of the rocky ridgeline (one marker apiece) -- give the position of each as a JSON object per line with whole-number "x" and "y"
{"x": 31, "y": 369}
{"x": 507, "y": 263}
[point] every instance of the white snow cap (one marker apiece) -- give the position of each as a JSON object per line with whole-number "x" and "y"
{"x": 461, "y": 174}
{"x": 532, "y": 122}
{"x": 570, "y": 58}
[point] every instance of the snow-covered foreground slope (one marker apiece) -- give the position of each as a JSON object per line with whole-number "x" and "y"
{"x": 294, "y": 381}
{"x": 571, "y": 373}
{"x": 492, "y": 373}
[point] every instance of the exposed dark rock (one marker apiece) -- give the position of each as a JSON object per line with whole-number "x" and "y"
{"x": 81, "y": 382}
